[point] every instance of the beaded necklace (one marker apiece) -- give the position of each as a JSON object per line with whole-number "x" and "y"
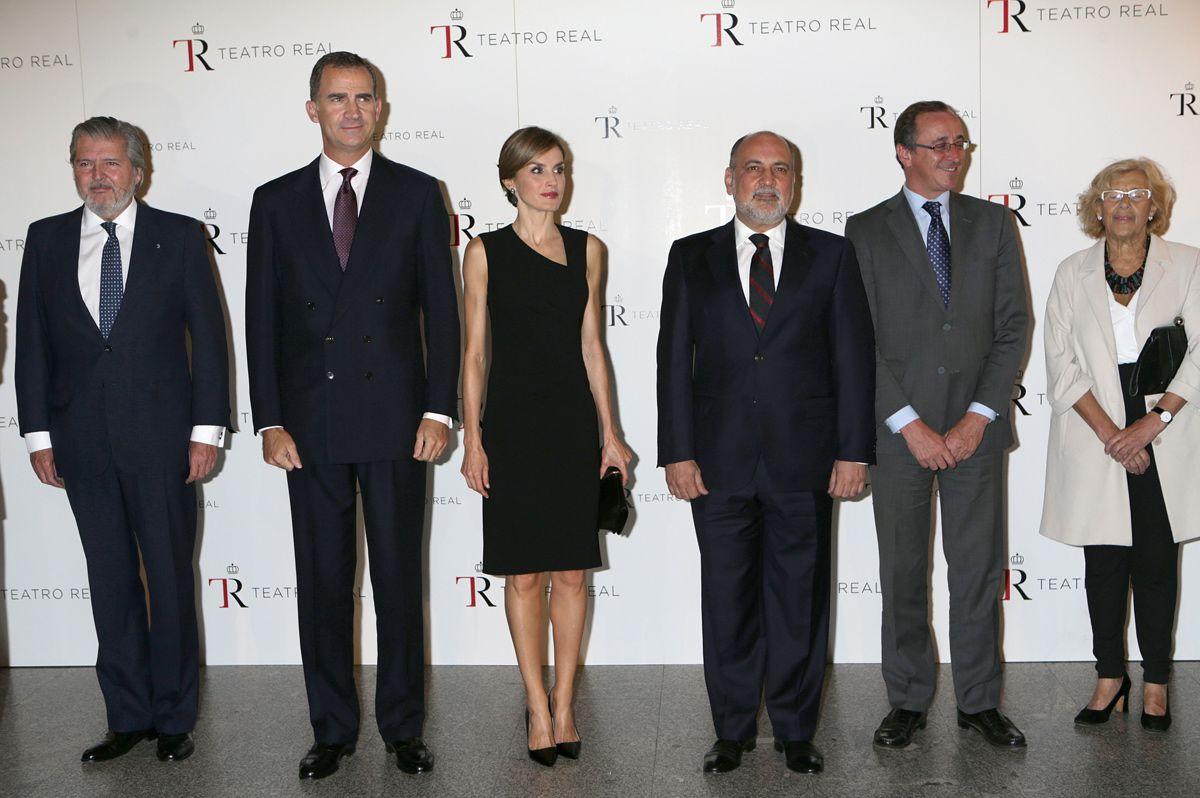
{"x": 1119, "y": 283}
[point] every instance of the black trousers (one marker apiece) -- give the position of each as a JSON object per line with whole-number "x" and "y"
{"x": 323, "y": 531}
{"x": 764, "y": 579}
{"x": 1150, "y": 565}
{"x": 148, "y": 667}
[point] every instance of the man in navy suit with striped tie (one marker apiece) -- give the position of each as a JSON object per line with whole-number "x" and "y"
{"x": 766, "y": 385}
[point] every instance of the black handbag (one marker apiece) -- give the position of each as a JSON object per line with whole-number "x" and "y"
{"x": 1159, "y": 359}
{"x": 614, "y": 504}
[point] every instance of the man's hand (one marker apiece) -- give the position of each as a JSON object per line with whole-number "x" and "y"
{"x": 683, "y": 480}
{"x": 43, "y": 465}
{"x": 847, "y": 480}
{"x": 963, "y": 438}
{"x": 927, "y": 446}
{"x": 432, "y": 437}
{"x": 279, "y": 449}
{"x": 202, "y": 457}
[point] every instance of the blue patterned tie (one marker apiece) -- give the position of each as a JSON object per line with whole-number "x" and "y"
{"x": 938, "y": 245}
{"x": 110, "y": 280}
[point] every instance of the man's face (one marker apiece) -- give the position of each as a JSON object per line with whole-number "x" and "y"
{"x": 104, "y": 176}
{"x": 929, "y": 172}
{"x": 761, "y": 181}
{"x": 347, "y": 109}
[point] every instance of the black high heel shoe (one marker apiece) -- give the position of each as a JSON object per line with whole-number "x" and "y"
{"x": 569, "y": 750}
{"x": 1094, "y": 717}
{"x": 1156, "y": 723}
{"x": 543, "y": 756}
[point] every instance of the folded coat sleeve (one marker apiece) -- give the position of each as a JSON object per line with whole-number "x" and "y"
{"x": 1066, "y": 379}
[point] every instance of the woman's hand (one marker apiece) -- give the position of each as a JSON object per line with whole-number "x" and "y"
{"x": 1137, "y": 436}
{"x": 616, "y": 454}
{"x": 475, "y": 470}
{"x": 1138, "y": 464}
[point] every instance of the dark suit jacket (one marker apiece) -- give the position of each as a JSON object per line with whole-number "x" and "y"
{"x": 940, "y": 359}
{"x": 130, "y": 400}
{"x": 336, "y": 358}
{"x": 799, "y": 394}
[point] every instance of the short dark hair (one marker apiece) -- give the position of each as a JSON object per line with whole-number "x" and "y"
{"x": 522, "y": 147}
{"x": 340, "y": 59}
{"x": 905, "y": 132}
{"x": 107, "y": 127}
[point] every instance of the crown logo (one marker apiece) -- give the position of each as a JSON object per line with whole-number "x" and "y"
{"x": 726, "y": 3}
{"x": 878, "y": 100}
{"x": 210, "y": 214}
{"x": 233, "y": 570}
{"x": 464, "y": 204}
{"x": 617, "y": 299}
{"x": 1017, "y": 559}
{"x": 1189, "y": 86}
{"x": 197, "y": 29}
{"x": 612, "y": 109}
{"x": 456, "y": 15}
{"x": 1016, "y": 183}
{"x": 479, "y": 567}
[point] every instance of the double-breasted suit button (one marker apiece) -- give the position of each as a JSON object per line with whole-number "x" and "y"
{"x": 378, "y": 300}
{"x": 760, "y": 357}
{"x": 311, "y": 305}
{"x": 329, "y": 375}
{"x": 328, "y": 339}
{"x": 366, "y": 339}
{"x": 367, "y": 375}
{"x": 941, "y": 369}
{"x": 946, "y": 327}
{"x": 107, "y": 348}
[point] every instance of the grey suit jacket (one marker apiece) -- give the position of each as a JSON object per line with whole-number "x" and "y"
{"x": 941, "y": 359}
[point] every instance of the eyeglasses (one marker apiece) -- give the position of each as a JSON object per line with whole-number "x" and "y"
{"x": 1135, "y": 195}
{"x": 943, "y": 147}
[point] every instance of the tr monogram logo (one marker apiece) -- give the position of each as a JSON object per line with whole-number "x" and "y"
{"x": 453, "y": 35}
{"x": 724, "y": 24}
{"x": 1010, "y": 16}
{"x": 196, "y": 48}
{"x": 477, "y": 588}
{"x": 226, "y": 583}
{"x": 1014, "y": 202}
{"x": 1187, "y": 100}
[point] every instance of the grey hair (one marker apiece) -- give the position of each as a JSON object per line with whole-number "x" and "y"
{"x": 107, "y": 127}
{"x": 737, "y": 144}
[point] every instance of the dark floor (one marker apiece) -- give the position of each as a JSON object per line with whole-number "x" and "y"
{"x": 644, "y": 731}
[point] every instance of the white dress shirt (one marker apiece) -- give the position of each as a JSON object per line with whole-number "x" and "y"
{"x": 746, "y": 250}
{"x": 329, "y": 172}
{"x": 908, "y": 414}
{"x": 1123, "y": 328}
{"x": 92, "y": 238}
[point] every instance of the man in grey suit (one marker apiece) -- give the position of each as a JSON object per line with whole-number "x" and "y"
{"x": 947, "y": 293}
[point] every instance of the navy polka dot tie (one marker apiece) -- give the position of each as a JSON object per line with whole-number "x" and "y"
{"x": 110, "y": 279}
{"x": 938, "y": 245}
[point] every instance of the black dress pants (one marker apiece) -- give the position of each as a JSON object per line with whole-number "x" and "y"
{"x": 323, "y": 530}
{"x": 1150, "y": 565}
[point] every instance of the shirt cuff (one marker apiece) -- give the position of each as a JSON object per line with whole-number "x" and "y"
{"x": 901, "y": 418}
{"x": 36, "y": 441}
{"x": 449, "y": 422}
{"x": 982, "y": 410}
{"x": 208, "y": 433}
{"x": 264, "y": 429}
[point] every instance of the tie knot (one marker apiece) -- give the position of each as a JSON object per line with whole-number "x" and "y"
{"x": 933, "y": 208}
{"x": 347, "y": 175}
{"x": 759, "y": 240}
{"x": 110, "y": 228}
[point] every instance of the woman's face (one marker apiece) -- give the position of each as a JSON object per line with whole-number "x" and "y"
{"x": 1126, "y": 217}
{"x": 541, "y": 182}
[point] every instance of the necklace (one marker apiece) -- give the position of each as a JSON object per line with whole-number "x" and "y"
{"x": 1119, "y": 283}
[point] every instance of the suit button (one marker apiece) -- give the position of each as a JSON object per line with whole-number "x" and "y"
{"x": 311, "y": 305}
{"x": 758, "y": 358}
{"x": 754, "y": 401}
{"x": 366, "y": 339}
{"x": 1158, "y": 441}
{"x": 329, "y": 375}
{"x": 378, "y": 300}
{"x": 367, "y": 375}
{"x": 107, "y": 348}
{"x": 941, "y": 369}
{"x": 328, "y": 339}
{"x": 946, "y": 327}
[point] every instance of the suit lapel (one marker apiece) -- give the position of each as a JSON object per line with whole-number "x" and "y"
{"x": 792, "y": 275}
{"x": 147, "y": 245}
{"x": 908, "y": 236}
{"x": 370, "y": 230}
{"x": 1158, "y": 259}
{"x": 311, "y": 228}
{"x": 962, "y": 245}
{"x": 727, "y": 289}
{"x": 66, "y": 258}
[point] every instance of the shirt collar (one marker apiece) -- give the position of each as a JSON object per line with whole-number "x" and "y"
{"x": 329, "y": 168}
{"x": 742, "y": 233}
{"x": 125, "y": 219}
{"x": 915, "y": 201}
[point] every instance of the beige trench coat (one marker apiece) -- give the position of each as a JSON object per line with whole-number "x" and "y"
{"x": 1087, "y": 499}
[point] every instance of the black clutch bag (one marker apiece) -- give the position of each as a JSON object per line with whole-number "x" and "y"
{"x": 614, "y": 505}
{"x": 1159, "y": 359}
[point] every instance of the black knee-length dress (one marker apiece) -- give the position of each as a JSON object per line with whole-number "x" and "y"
{"x": 540, "y": 431}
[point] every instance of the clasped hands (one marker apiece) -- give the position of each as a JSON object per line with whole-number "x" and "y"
{"x": 937, "y": 452}
{"x": 1128, "y": 446}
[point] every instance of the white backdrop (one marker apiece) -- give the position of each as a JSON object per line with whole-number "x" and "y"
{"x": 649, "y": 97}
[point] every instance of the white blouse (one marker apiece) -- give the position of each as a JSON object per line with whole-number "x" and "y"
{"x": 1123, "y": 328}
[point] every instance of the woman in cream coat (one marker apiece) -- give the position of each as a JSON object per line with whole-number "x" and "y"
{"x": 1120, "y": 471}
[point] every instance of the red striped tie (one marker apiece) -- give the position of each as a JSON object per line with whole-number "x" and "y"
{"x": 762, "y": 280}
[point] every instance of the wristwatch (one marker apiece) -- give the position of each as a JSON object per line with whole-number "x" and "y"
{"x": 1163, "y": 413}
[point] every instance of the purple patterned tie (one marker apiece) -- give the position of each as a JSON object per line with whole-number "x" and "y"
{"x": 345, "y": 217}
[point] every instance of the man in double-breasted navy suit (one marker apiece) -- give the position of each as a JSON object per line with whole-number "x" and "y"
{"x": 110, "y": 293}
{"x": 347, "y": 257}
{"x": 766, "y": 385}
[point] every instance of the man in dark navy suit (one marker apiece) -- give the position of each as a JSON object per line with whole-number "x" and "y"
{"x": 347, "y": 257}
{"x": 766, "y": 387}
{"x": 110, "y": 293}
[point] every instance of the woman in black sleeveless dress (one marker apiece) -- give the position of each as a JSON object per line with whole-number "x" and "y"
{"x": 547, "y": 433}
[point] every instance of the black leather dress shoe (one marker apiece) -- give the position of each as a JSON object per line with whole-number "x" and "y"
{"x": 898, "y": 728}
{"x": 115, "y": 744}
{"x": 801, "y": 756}
{"x": 175, "y": 747}
{"x": 995, "y": 728}
{"x": 726, "y": 755}
{"x": 322, "y": 760}
{"x": 412, "y": 755}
